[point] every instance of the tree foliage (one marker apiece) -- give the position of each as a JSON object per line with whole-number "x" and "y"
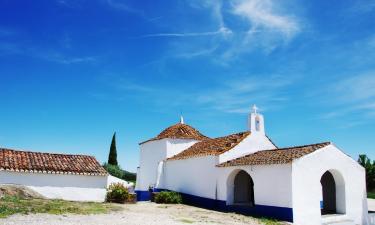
{"x": 116, "y": 171}
{"x": 370, "y": 171}
{"x": 112, "y": 158}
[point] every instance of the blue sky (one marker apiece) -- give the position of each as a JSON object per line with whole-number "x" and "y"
{"x": 74, "y": 71}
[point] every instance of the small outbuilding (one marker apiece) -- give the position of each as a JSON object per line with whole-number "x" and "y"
{"x": 247, "y": 173}
{"x": 55, "y": 176}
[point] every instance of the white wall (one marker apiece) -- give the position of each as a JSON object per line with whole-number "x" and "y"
{"x": 195, "y": 176}
{"x": 199, "y": 176}
{"x": 176, "y": 146}
{"x": 272, "y": 184}
{"x": 152, "y": 153}
{"x": 254, "y": 142}
{"x": 60, "y": 186}
{"x": 307, "y": 172}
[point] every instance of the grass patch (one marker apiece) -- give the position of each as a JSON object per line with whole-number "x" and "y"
{"x": 267, "y": 221}
{"x": 371, "y": 195}
{"x": 10, "y": 205}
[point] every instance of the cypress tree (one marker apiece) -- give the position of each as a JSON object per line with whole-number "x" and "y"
{"x": 112, "y": 158}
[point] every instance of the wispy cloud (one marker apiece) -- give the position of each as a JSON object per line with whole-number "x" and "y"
{"x": 229, "y": 96}
{"x": 222, "y": 31}
{"x": 7, "y": 48}
{"x": 259, "y": 24}
{"x": 123, "y": 6}
{"x": 354, "y": 95}
{"x": 262, "y": 15}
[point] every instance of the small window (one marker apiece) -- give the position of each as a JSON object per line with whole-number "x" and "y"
{"x": 257, "y": 123}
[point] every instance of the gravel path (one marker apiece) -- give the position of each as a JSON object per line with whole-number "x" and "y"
{"x": 141, "y": 213}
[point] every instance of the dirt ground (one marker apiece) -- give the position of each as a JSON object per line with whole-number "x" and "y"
{"x": 141, "y": 213}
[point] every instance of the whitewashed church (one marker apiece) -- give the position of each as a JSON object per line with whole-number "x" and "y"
{"x": 247, "y": 173}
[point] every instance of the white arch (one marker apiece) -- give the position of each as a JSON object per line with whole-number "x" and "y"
{"x": 340, "y": 190}
{"x": 230, "y": 185}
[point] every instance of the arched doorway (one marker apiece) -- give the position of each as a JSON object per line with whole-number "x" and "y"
{"x": 243, "y": 189}
{"x": 333, "y": 193}
{"x": 328, "y": 205}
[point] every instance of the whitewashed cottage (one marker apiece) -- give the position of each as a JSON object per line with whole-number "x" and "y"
{"x": 55, "y": 176}
{"x": 247, "y": 173}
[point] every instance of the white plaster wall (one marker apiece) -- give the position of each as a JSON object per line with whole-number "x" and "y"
{"x": 272, "y": 184}
{"x": 60, "y": 186}
{"x": 176, "y": 146}
{"x": 151, "y": 154}
{"x": 307, "y": 172}
{"x": 195, "y": 176}
{"x": 254, "y": 142}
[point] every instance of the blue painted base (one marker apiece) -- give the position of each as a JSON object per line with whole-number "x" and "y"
{"x": 146, "y": 195}
{"x": 280, "y": 213}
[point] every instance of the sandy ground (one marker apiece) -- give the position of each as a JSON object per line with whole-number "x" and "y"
{"x": 371, "y": 204}
{"x": 141, "y": 213}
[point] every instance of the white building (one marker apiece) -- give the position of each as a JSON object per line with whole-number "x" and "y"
{"x": 247, "y": 173}
{"x": 55, "y": 176}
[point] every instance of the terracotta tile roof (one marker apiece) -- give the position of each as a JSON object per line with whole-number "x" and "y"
{"x": 37, "y": 162}
{"x": 275, "y": 156}
{"x": 179, "y": 131}
{"x": 214, "y": 146}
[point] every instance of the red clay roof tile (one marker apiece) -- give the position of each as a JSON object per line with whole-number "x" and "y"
{"x": 275, "y": 156}
{"x": 179, "y": 131}
{"x": 14, "y": 160}
{"x": 214, "y": 146}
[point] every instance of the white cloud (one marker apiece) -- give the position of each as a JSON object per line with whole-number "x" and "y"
{"x": 230, "y": 95}
{"x": 261, "y": 14}
{"x": 222, "y": 31}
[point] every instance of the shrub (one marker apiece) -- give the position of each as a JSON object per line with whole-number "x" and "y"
{"x": 114, "y": 170}
{"x": 168, "y": 197}
{"x": 117, "y": 192}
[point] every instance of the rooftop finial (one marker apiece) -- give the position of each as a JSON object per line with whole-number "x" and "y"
{"x": 255, "y": 109}
{"x": 181, "y": 119}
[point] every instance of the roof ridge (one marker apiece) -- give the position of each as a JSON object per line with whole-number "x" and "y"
{"x": 237, "y": 133}
{"x": 214, "y": 147}
{"x": 284, "y": 155}
{"x": 298, "y": 146}
{"x": 49, "y": 153}
{"x": 175, "y": 132}
{"x": 284, "y": 148}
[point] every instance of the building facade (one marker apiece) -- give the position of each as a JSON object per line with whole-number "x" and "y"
{"x": 247, "y": 173}
{"x": 55, "y": 176}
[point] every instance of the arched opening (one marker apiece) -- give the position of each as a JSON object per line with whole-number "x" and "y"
{"x": 333, "y": 193}
{"x": 257, "y": 123}
{"x": 243, "y": 191}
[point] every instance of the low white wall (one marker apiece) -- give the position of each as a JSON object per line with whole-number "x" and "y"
{"x": 60, "y": 186}
{"x": 254, "y": 142}
{"x": 195, "y": 176}
{"x": 272, "y": 184}
{"x": 307, "y": 190}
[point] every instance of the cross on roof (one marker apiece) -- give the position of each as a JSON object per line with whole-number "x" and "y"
{"x": 255, "y": 109}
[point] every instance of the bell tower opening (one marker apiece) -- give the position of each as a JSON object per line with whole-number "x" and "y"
{"x": 256, "y": 121}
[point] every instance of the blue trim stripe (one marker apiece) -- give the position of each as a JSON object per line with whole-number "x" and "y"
{"x": 280, "y": 213}
{"x": 143, "y": 196}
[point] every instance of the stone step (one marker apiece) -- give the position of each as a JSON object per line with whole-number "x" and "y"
{"x": 343, "y": 222}
{"x": 336, "y": 219}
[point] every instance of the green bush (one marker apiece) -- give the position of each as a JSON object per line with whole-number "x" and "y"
{"x": 114, "y": 170}
{"x": 117, "y": 192}
{"x": 168, "y": 197}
